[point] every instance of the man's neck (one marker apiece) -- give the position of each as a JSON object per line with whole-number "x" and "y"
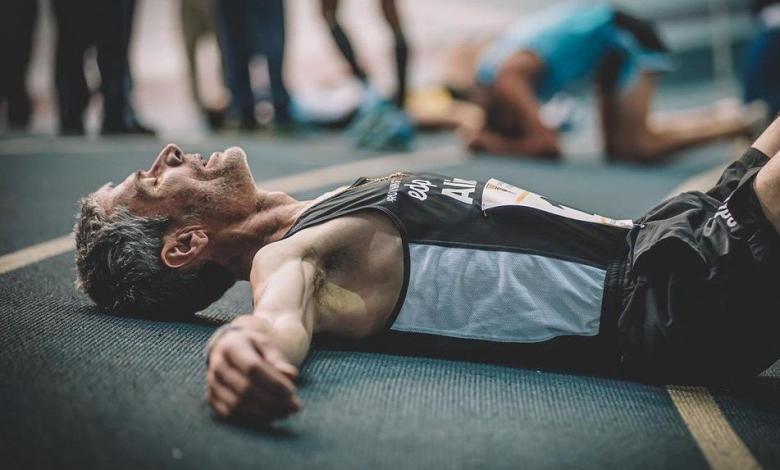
{"x": 275, "y": 215}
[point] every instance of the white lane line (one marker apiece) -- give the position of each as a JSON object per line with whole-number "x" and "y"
{"x": 306, "y": 181}
{"x": 33, "y": 254}
{"x": 700, "y": 182}
{"x": 420, "y": 160}
{"x": 721, "y": 446}
{"x": 708, "y": 178}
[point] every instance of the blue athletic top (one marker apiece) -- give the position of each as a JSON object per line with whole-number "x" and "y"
{"x": 486, "y": 260}
{"x": 572, "y": 40}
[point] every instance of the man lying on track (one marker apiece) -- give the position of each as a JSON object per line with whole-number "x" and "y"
{"x": 685, "y": 292}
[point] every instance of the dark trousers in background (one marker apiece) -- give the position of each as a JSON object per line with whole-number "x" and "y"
{"x": 247, "y": 27}
{"x": 17, "y": 25}
{"x": 761, "y": 71}
{"x": 107, "y": 25}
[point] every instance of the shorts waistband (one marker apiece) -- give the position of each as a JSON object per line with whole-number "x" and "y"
{"x": 612, "y": 303}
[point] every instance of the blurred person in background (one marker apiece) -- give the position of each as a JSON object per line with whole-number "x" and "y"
{"x": 761, "y": 71}
{"x": 18, "y": 25}
{"x": 246, "y": 27}
{"x": 197, "y": 22}
{"x": 568, "y": 45}
{"x": 107, "y": 25}
{"x": 380, "y": 124}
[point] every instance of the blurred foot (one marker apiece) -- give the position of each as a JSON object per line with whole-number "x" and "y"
{"x": 248, "y": 121}
{"x": 119, "y": 127}
{"x": 215, "y": 118}
{"x": 19, "y": 113}
{"x": 390, "y": 129}
{"x": 752, "y": 117}
{"x": 71, "y": 127}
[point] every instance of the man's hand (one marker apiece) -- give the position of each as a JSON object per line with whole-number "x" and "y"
{"x": 248, "y": 375}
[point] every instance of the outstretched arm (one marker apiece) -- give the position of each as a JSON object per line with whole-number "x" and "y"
{"x": 253, "y": 362}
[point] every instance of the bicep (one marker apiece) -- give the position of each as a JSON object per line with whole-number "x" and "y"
{"x": 283, "y": 294}
{"x": 288, "y": 289}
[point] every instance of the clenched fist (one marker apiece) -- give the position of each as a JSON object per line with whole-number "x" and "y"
{"x": 248, "y": 375}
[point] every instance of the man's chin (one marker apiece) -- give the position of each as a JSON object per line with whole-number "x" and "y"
{"x": 235, "y": 153}
{"x": 237, "y": 156}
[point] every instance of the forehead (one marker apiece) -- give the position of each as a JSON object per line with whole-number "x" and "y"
{"x": 104, "y": 196}
{"x": 111, "y": 195}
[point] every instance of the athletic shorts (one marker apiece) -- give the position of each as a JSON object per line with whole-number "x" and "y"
{"x": 697, "y": 298}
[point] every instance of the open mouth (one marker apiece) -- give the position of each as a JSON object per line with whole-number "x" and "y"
{"x": 212, "y": 159}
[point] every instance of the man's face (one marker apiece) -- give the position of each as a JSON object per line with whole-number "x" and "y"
{"x": 179, "y": 185}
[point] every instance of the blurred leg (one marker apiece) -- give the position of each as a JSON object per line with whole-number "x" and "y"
{"x": 628, "y": 134}
{"x": 190, "y": 26}
{"x": 269, "y": 27}
{"x": 128, "y": 7}
{"x": 329, "y": 14}
{"x": 112, "y": 45}
{"x": 18, "y": 25}
{"x": 74, "y": 31}
{"x": 761, "y": 71}
{"x": 390, "y": 12}
{"x": 232, "y": 28}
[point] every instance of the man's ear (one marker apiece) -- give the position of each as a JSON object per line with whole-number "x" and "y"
{"x": 183, "y": 247}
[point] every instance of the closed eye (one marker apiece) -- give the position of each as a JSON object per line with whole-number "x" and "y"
{"x": 145, "y": 182}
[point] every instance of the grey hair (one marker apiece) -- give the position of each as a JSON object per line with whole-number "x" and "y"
{"x": 119, "y": 266}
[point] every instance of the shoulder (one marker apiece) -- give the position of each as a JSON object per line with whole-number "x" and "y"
{"x": 340, "y": 231}
{"x": 315, "y": 244}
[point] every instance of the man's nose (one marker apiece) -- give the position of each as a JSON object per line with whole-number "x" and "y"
{"x": 171, "y": 155}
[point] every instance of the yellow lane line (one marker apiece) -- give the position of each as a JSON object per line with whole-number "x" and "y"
{"x": 721, "y": 446}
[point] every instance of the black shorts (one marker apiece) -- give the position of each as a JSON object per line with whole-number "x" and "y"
{"x": 695, "y": 301}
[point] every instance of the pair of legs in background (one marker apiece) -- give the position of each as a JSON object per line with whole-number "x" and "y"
{"x": 17, "y": 25}
{"x": 390, "y": 13}
{"x": 197, "y": 22}
{"x": 107, "y": 26}
{"x": 245, "y": 28}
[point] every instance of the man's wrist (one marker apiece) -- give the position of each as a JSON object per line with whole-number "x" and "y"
{"x": 219, "y": 333}
{"x": 242, "y": 322}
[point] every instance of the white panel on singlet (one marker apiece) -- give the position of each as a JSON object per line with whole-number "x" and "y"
{"x": 498, "y": 295}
